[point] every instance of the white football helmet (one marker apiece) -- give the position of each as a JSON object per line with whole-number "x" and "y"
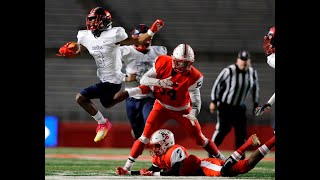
{"x": 182, "y": 58}
{"x": 160, "y": 142}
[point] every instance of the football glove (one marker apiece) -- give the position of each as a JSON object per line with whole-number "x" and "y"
{"x": 156, "y": 26}
{"x": 261, "y": 109}
{"x": 145, "y": 172}
{"x": 121, "y": 171}
{"x": 70, "y": 49}
{"x": 191, "y": 117}
{"x": 165, "y": 83}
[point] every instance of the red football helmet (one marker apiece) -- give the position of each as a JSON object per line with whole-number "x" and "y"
{"x": 269, "y": 41}
{"x": 98, "y": 20}
{"x": 138, "y": 31}
{"x": 182, "y": 58}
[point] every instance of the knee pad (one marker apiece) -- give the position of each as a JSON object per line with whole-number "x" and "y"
{"x": 144, "y": 139}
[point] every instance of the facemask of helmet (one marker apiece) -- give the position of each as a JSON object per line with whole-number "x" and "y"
{"x": 182, "y": 58}
{"x": 98, "y": 20}
{"x": 160, "y": 142}
{"x": 138, "y": 31}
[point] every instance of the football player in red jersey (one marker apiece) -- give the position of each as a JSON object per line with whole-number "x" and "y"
{"x": 174, "y": 160}
{"x": 176, "y": 86}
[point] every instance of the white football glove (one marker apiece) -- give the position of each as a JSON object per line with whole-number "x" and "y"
{"x": 165, "y": 83}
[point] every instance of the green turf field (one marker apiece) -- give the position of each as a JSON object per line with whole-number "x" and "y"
{"x": 61, "y": 163}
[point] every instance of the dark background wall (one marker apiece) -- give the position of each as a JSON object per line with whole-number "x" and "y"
{"x": 216, "y": 30}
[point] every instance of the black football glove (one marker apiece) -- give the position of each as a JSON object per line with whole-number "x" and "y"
{"x": 261, "y": 109}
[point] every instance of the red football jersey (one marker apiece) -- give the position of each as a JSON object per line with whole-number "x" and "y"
{"x": 174, "y": 154}
{"x": 179, "y": 95}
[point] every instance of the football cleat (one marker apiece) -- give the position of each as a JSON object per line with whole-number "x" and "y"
{"x": 102, "y": 130}
{"x": 255, "y": 140}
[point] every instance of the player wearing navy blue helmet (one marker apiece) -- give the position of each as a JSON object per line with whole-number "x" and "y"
{"x": 137, "y": 60}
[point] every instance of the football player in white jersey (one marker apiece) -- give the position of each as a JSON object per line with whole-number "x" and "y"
{"x": 137, "y": 60}
{"x": 270, "y": 52}
{"x": 102, "y": 41}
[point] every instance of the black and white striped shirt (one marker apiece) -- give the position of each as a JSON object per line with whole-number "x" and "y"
{"x": 233, "y": 85}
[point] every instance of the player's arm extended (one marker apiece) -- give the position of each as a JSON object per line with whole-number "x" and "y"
{"x": 155, "y": 171}
{"x": 156, "y": 26}
{"x": 195, "y": 96}
{"x": 149, "y": 79}
{"x": 152, "y": 168}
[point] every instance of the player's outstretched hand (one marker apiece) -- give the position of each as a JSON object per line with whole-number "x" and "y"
{"x": 190, "y": 116}
{"x": 121, "y": 171}
{"x": 156, "y": 26}
{"x": 165, "y": 83}
{"x": 145, "y": 172}
{"x": 261, "y": 109}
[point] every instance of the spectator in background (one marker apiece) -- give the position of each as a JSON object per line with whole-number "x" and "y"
{"x": 171, "y": 159}
{"x": 137, "y": 60}
{"x": 270, "y": 52}
{"x": 228, "y": 96}
{"x": 102, "y": 41}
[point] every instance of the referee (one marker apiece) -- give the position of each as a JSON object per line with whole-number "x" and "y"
{"x": 228, "y": 96}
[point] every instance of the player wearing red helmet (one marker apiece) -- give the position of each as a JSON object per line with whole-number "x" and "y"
{"x": 269, "y": 41}
{"x": 270, "y": 51}
{"x": 102, "y": 41}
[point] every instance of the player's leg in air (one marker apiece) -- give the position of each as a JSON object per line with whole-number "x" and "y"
{"x": 105, "y": 92}
{"x": 233, "y": 166}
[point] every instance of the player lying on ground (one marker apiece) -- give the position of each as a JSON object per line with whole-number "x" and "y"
{"x": 170, "y": 159}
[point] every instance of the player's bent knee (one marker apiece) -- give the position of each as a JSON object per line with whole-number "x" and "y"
{"x": 144, "y": 139}
{"x": 80, "y": 98}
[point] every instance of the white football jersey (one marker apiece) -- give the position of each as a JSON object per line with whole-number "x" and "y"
{"x": 105, "y": 52}
{"x": 271, "y": 60}
{"x": 135, "y": 62}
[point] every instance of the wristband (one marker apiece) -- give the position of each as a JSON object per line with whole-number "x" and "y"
{"x": 156, "y": 174}
{"x": 150, "y": 33}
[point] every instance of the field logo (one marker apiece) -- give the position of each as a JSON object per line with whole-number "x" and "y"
{"x": 51, "y": 131}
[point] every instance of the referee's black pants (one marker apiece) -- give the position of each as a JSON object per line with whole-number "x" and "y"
{"x": 227, "y": 117}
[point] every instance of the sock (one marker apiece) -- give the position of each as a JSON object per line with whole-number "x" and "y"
{"x": 237, "y": 155}
{"x": 265, "y": 149}
{"x": 137, "y": 148}
{"x": 212, "y": 149}
{"x": 270, "y": 143}
{"x": 129, "y": 163}
{"x": 99, "y": 118}
{"x": 136, "y": 151}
